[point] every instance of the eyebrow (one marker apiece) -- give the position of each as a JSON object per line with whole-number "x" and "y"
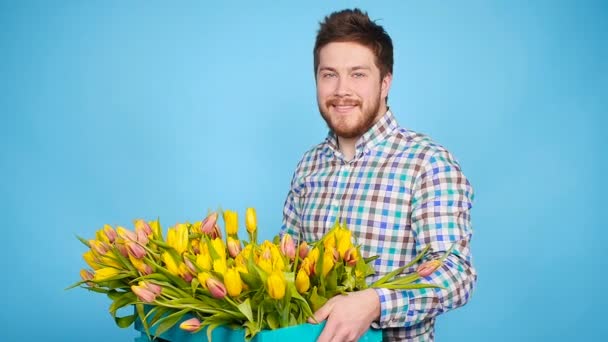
{"x": 356, "y": 67}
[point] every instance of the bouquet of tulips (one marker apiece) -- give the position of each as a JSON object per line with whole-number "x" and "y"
{"x": 216, "y": 281}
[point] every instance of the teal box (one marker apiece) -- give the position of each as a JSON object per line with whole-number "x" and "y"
{"x": 303, "y": 332}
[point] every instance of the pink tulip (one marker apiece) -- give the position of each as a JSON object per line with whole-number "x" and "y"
{"x": 136, "y": 250}
{"x": 234, "y": 247}
{"x": 154, "y": 288}
{"x": 303, "y": 250}
{"x": 190, "y": 325}
{"x": 288, "y": 246}
{"x": 427, "y": 268}
{"x": 208, "y": 224}
{"x": 217, "y": 289}
{"x": 143, "y": 293}
{"x": 110, "y": 233}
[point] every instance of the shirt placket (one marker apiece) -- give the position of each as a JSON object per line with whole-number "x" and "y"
{"x": 339, "y": 195}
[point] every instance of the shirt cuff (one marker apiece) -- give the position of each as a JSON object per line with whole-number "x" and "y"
{"x": 394, "y": 305}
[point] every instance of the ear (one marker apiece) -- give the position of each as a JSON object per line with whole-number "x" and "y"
{"x": 385, "y": 85}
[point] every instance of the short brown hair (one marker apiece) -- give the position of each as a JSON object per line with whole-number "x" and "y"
{"x": 356, "y": 26}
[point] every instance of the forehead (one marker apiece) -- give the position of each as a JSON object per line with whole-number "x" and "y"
{"x": 346, "y": 55}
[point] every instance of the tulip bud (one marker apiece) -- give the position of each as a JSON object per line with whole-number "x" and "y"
{"x": 219, "y": 265}
{"x": 288, "y": 246}
{"x": 302, "y": 281}
{"x": 91, "y": 259}
{"x": 351, "y": 256}
{"x": 100, "y": 247}
{"x": 190, "y": 265}
{"x": 110, "y": 233}
{"x": 125, "y": 234}
{"x": 303, "y": 250}
{"x": 156, "y": 229}
{"x": 427, "y": 268}
{"x": 142, "y": 236}
{"x": 177, "y": 237}
{"x": 336, "y": 255}
{"x": 203, "y": 261}
{"x": 143, "y": 226}
{"x": 105, "y": 273}
{"x": 217, "y": 289}
{"x": 328, "y": 262}
{"x": 344, "y": 241}
{"x": 231, "y": 220}
{"x": 208, "y": 224}
{"x": 276, "y": 285}
{"x": 140, "y": 265}
{"x": 234, "y": 247}
{"x": 136, "y": 250}
{"x": 308, "y": 266}
{"x": 143, "y": 293}
{"x": 234, "y": 284}
{"x": 202, "y": 278}
{"x": 87, "y": 275}
{"x": 251, "y": 221}
{"x": 154, "y": 288}
{"x": 122, "y": 249}
{"x": 190, "y": 325}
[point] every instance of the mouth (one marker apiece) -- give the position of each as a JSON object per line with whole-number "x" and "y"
{"x": 343, "y": 107}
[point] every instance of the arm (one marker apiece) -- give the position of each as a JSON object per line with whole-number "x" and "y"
{"x": 440, "y": 216}
{"x": 291, "y": 211}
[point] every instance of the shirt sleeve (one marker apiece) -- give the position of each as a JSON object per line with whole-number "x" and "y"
{"x": 441, "y": 205}
{"x": 291, "y": 210}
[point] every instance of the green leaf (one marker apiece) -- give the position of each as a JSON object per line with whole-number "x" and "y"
{"x": 84, "y": 241}
{"x": 316, "y": 300}
{"x": 125, "y": 299}
{"x": 169, "y": 321}
{"x": 124, "y": 322}
{"x": 273, "y": 320}
{"x": 245, "y": 309}
{"x": 390, "y": 275}
{"x": 141, "y": 313}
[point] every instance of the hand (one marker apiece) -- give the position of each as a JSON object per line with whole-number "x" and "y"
{"x": 348, "y": 316}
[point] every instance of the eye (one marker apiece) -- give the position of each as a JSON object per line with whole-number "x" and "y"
{"x": 328, "y": 75}
{"x": 358, "y": 75}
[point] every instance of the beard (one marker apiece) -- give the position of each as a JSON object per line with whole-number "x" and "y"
{"x": 354, "y": 124}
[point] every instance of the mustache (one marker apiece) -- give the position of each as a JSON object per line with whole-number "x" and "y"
{"x": 342, "y": 102}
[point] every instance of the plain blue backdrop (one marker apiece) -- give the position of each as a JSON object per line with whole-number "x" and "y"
{"x": 116, "y": 110}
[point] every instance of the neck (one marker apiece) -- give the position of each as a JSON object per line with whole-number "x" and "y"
{"x": 347, "y": 147}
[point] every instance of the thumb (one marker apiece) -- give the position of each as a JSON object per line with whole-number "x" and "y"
{"x": 321, "y": 314}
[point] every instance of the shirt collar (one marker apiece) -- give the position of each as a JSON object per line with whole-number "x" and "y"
{"x": 379, "y": 132}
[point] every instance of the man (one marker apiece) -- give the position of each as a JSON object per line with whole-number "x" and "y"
{"x": 396, "y": 189}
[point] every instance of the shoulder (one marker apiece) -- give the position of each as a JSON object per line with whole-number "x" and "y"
{"x": 419, "y": 147}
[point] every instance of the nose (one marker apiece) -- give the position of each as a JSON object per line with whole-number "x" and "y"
{"x": 342, "y": 87}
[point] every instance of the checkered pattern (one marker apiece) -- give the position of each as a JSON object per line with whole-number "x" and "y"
{"x": 400, "y": 193}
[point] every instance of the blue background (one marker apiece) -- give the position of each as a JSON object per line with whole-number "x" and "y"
{"x": 114, "y": 110}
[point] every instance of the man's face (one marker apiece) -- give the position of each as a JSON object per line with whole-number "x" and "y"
{"x": 350, "y": 94}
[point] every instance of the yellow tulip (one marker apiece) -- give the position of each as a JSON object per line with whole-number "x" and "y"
{"x": 177, "y": 237}
{"x": 302, "y": 281}
{"x": 276, "y": 285}
{"x": 344, "y": 242}
{"x": 202, "y": 278}
{"x": 105, "y": 273}
{"x": 219, "y": 266}
{"x": 251, "y": 221}
{"x": 330, "y": 240}
{"x": 172, "y": 265}
{"x": 109, "y": 260}
{"x": 328, "y": 262}
{"x": 156, "y": 230}
{"x": 91, "y": 260}
{"x": 203, "y": 261}
{"x": 231, "y": 219}
{"x": 234, "y": 284}
{"x": 219, "y": 248}
{"x": 265, "y": 264}
{"x": 314, "y": 255}
{"x": 140, "y": 265}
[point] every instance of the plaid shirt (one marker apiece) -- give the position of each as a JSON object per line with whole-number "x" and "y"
{"x": 400, "y": 193}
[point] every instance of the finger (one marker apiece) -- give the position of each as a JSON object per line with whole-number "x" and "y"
{"x": 322, "y": 314}
{"x": 328, "y": 333}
